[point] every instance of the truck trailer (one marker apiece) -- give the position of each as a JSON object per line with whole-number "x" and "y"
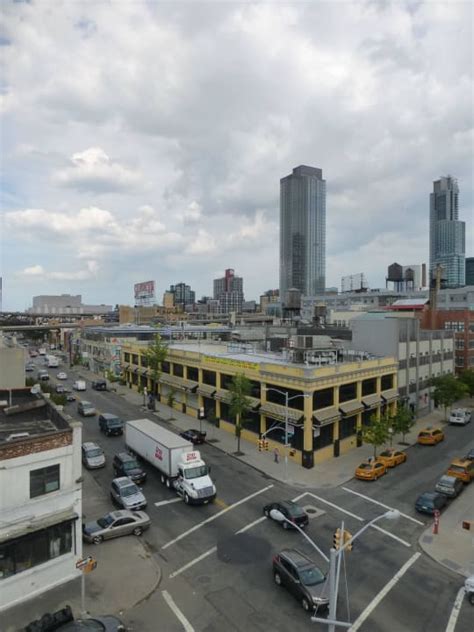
{"x": 181, "y": 467}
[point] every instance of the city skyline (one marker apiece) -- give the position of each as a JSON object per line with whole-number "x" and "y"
{"x": 127, "y": 173}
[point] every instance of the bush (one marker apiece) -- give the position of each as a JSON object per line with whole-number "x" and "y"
{"x": 58, "y": 399}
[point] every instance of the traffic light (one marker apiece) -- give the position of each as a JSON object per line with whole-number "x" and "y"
{"x": 347, "y": 537}
{"x": 260, "y": 445}
{"x": 336, "y": 540}
{"x": 265, "y": 444}
{"x": 340, "y": 539}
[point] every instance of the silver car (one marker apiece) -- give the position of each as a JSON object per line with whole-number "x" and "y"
{"x": 93, "y": 456}
{"x": 86, "y": 409}
{"x": 125, "y": 493}
{"x": 114, "y": 525}
{"x": 449, "y": 486}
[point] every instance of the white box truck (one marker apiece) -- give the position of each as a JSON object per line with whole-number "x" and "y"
{"x": 179, "y": 464}
{"x": 53, "y": 362}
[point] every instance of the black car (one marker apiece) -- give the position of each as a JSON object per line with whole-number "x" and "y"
{"x": 300, "y": 575}
{"x": 429, "y": 502}
{"x": 193, "y": 435}
{"x": 127, "y": 465}
{"x": 64, "y": 620}
{"x": 293, "y": 513}
{"x": 99, "y": 385}
{"x": 110, "y": 424}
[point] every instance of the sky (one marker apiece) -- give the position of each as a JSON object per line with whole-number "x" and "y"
{"x": 146, "y": 140}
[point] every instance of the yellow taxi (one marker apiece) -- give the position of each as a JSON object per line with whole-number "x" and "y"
{"x": 463, "y": 469}
{"x": 370, "y": 470}
{"x": 391, "y": 457}
{"x": 430, "y": 436}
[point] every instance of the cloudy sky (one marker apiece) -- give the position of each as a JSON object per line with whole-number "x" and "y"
{"x": 145, "y": 140}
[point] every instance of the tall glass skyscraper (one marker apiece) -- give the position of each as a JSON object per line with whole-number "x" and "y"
{"x": 303, "y": 231}
{"x": 447, "y": 233}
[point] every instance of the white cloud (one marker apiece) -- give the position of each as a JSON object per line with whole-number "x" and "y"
{"x": 91, "y": 270}
{"x": 33, "y": 271}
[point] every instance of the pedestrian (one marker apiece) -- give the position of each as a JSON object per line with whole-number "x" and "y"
{"x": 276, "y": 454}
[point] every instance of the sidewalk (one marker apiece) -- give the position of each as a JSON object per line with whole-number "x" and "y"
{"x": 109, "y": 589}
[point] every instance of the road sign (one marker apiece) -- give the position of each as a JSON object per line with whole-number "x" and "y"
{"x": 87, "y": 564}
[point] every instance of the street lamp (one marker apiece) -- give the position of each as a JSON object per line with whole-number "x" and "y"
{"x": 279, "y": 517}
{"x": 287, "y": 400}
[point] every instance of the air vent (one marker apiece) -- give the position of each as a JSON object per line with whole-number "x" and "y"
{"x": 17, "y": 435}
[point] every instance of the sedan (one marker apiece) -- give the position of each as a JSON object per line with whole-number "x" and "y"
{"x": 29, "y": 368}
{"x": 291, "y": 511}
{"x": 114, "y": 525}
{"x": 370, "y": 470}
{"x": 429, "y": 502}
{"x": 193, "y": 435}
{"x": 61, "y": 375}
{"x": 126, "y": 494}
{"x": 86, "y": 409}
{"x": 391, "y": 457}
{"x": 59, "y": 388}
{"x": 449, "y": 486}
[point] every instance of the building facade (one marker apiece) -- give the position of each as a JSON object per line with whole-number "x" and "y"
{"x": 229, "y": 291}
{"x": 183, "y": 294}
{"x": 447, "y": 233}
{"x": 303, "y": 231}
{"x": 65, "y": 304}
{"x": 460, "y": 323}
{"x": 470, "y": 271}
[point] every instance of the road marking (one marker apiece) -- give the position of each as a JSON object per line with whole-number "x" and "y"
{"x": 168, "y": 502}
{"x": 391, "y": 535}
{"x": 351, "y": 491}
{"x": 327, "y": 502}
{"x": 386, "y": 589}
{"x": 194, "y": 561}
{"x": 215, "y": 516}
{"x": 455, "y": 611}
{"x": 220, "y": 503}
{"x": 252, "y": 524}
{"x": 179, "y": 615}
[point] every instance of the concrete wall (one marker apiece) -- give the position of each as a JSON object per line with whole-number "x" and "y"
{"x": 12, "y": 367}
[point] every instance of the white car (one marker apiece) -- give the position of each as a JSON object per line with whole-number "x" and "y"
{"x": 460, "y": 416}
{"x": 62, "y": 376}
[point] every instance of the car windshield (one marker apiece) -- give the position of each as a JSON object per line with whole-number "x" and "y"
{"x": 295, "y": 510}
{"x": 129, "y": 490}
{"x": 114, "y": 421}
{"x": 457, "y": 468}
{"x": 196, "y": 472}
{"x": 427, "y": 500}
{"x": 424, "y": 434}
{"x": 311, "y": 576}
{"x": 365, "y": 466}
{"x": 130, "y": 465}
{"x": 94, "y": 452}
{"x": 106, "y": 521}
{"x": 386, "y": 453}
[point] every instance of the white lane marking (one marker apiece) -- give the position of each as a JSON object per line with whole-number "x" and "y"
{"x": 179, "y": 615}
{"x": 168, "y": 502}
{"x": 215, "y": 516}
{"x": 326, "y": 502}
{"x": 455, "y": 611}
{"x": 351, "y": 491}
{"x": 194, "y": 561}
{"x": 390, "y": 535}
{"x": 386, "y": 589}
{"x": 251, "y": 524}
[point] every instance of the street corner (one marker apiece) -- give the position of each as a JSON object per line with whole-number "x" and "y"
{"x": 451, "y": 546}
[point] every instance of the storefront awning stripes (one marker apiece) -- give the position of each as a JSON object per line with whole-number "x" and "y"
{"x": 326, "y": 416}
{"x": 206, "y": 390}
{"x": 178, "y": 382}
{"x": 223, "y": 396}
{"x": 390, "y": 395}
{"x": 370, "y": 401}
{"x": 279, "y": 412}
{"x": 254, "y": 402}
{"x": 36, "y": 524}
{"x": 351, "y": 408}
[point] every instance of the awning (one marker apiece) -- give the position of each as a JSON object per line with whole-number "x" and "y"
{"x": 126, "y": 367}
{"x": 223, "y": 396}
{"x": 326, "y": 416}
{"x": 178, "y": 382}
{"x": 371, "y": 401}
{"x": 136, "y": 369}
{"x": 254, "y": 402}
{"x": 351, "y": 408}
{"x": 279, "y": 412}
{"x": 390, "y": 395}
{"x": 30, "y": 526}
{"x": 206, "y": 390}
{"x": 144, "y": 372}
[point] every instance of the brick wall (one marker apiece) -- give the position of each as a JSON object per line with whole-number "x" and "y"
{"x": 34, "y": 445}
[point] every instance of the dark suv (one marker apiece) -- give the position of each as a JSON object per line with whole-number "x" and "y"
{"x": 110, "y": 424}
{"x": 99, "y": 385}
{"x": 300, "y": 575}
{"x": 127, "y": 465}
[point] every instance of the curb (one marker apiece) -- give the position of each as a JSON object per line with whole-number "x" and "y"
{"x": 438, "y": 561}
{"x": 159, "y": 574}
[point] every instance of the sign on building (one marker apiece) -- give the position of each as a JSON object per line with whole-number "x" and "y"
{"x": 144, "y": 293}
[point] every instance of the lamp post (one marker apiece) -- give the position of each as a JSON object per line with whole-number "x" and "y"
{"x": 279, "y": 517}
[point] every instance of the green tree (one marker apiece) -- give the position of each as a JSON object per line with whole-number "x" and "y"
{"x": 240, "y": 404}
{"x": 402, "y": 421}
{"x": 155, "y": 354}
{"x": 171, "y": 398}
{"x": 467, "y": 378}
{"x": 447, "y": 390}
{"x": 376, "y": 433}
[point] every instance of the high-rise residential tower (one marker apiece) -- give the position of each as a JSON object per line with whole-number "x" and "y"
{"x": 447, "y": 233}
{"x": 303, "y": 232}
{"x": 229, "y": 291}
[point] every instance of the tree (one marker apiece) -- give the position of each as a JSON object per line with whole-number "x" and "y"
{"x": 376, "y": 433}
{"x": 155, "y": 354}
{"x": 402, "y": 421}
{"x": 171, "y": 398}
{"x": 240, "y": 404}
{"x": 447, "y": 390}
{"x": 467, "y": 378}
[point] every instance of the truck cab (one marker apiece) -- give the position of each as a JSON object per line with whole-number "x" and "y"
{"x": 193, "y": 482}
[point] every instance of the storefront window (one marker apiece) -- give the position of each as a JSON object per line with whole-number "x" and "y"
{"x": 325, "y": 437}
{"x": 323, "y": 398}
{"x": 178, "y": 370}
{"x": 369, "y": 387}
{"x": 209, "y": 377}
{"x": 347, "y": 427}
{"x": 226, "y": 381}
{"x": 387, "y": 382}
{"x": 347, "y": 392}
{"x": 193, "y": 374}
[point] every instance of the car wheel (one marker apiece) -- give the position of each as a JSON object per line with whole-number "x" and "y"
{"x": 305, "y": 604}
{"x": 186, "y": 499}
{"x": 168, "y": 483}
{"x": 277, "y": 578}
{"x": 97, "y": 539}
{"x": 162, "y": 479}
{"x": 137, "y": 531}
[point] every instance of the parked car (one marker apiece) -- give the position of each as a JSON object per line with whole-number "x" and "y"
{"x": 300, "y": 575}
{"x": 430, "y": 436}
{"x": 59, "y": 388}
{"x": 93, "y": 456}
{"x": 460, "y": 416}
{"x": 391, "y": 457}
{"x": 110, "y": 424}
{"x": 469, "y": 589}
{"x": 33, "y": 354}
{"x": 86, "y": 409}
{"x": 292, "y": 512}
{"x": 193, "y": 435}
{"x": 61, "y": 375}
{"x": 462, "y": 469}
{"x": 127, "y": 465}
{"x": 125, "y": 493}
{"x": 29, "y": 368}
{"x": 429, "y": 502}
{"x": 370, "y": 470}
{"x": 99, "y": 385}
{"x": 114, "y": 525}
{"x": 449, "y": 486}
{"x": 43, "y": 376}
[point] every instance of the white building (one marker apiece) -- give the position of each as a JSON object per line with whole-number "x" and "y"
{"x": 40, "y": 498}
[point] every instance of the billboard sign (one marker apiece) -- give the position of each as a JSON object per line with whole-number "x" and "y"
{"x": 144, "y": 293}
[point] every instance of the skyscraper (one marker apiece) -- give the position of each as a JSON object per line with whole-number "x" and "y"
{"x": 447, "y": 233}
{"x": 229, "y": 291}
{"x": 303, "y": 231}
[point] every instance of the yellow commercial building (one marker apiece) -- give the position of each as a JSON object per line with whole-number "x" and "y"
{"x": 327, "y": 405}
